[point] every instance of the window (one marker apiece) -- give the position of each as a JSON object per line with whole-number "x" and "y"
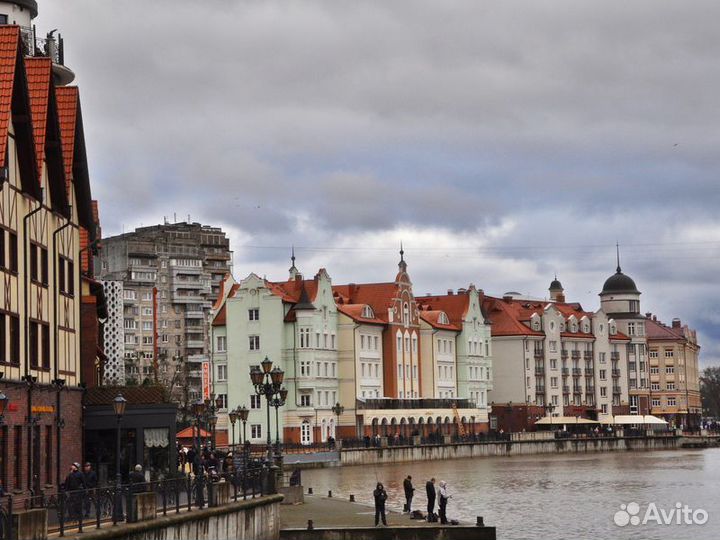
{"x": 367, "y": 313}
{"x": 604, "y": 408}
{"x": 129, "y": 294}
{"x": 305, "y": 400}
{"x": 223, "y": 400}
{"x": 254, "y": 314}
{"x": 553, "y": 346}
{"x": 45, "y": 341}
{"x": 256, "y": 431}
{"x": 670, "y": 386}
{"x": 653, "y": 354}
{"x": 147, "y": 325}
{"x": 305, "y": 432}
{"x": 147, "y": 296}
{"x": 671, "y": 402}
{"x": 603, "y": 391}
{"x": 631, "y": 329}
{"x": 254, "y": 343}
{"x": 553, "y": 382}
{"x": 147, "y": 311}
{"x": 670, "y": 370}
{"x": 656, "y": 402}
{"x": 603, "y": 374}
{"x": 221, "y": 344}
{"x": 668, "y": 353}
{"x": 255, "y": 401}
{"x": 34, "y": 345}
{"x": 147, "y": 340}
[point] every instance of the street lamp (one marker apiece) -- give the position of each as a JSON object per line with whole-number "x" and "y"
{"x": 267, "y": 382}
{"x": 233, "y": 418}
{"x": 118, "y": 404}
{"x": 277, "y": 402}
{"x": 338, "y": 410}
{"x": 199, "y": 409}
{"x": 243, "y": 414}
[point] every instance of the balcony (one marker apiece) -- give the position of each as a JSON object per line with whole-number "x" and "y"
{"x": 588, "y": 372}
{"x": 615, "y": 356}
{"x": 539, "y": 390}
{"x": 563, "y": 354}
{"x": 194, "y": 314}
{"x": 616, "y": 390}
{"x": 195, "y": 373}
{"x": 566, "y": 389}
{"x": 587, "y": 355}
{"x": 195, "y": 344}
{"x": 576, "y": 355}
{"x": 577, "y": 390}
{"x": 576, "y": 372}
{"x": 565, "y": 371}
{"x": 419, "y": 403}
{"x": 589, "y": 389}
{"x": 615, "y": 373}
{"x": 539, "y": 370}
{"x": 539, "y": 353}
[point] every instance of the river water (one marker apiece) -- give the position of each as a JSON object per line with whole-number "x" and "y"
{"x": 555, "y": 496}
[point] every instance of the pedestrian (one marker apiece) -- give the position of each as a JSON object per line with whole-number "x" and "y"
{"x": 431, "y": 494}
{"x": 380, "y": 496}
{"x": 409, "y": 490}
{"x": 137, "y": 479}
{"x": 74, "y": 482}
{"x": 91, "y": 481}
{"x": 444, "y": 496}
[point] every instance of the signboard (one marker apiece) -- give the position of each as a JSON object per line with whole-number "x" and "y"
{"x": 37, "y": 409}
{"x": 206, "y": 380}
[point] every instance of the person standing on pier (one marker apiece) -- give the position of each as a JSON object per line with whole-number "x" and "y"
{"x": 430, "y": 491}
{"x": 409, "y": 490}
{"x": 380, "y": 496}
{"x": 444, "y": 496}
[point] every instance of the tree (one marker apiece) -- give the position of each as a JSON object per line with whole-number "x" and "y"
{"x": 710, "y": 391}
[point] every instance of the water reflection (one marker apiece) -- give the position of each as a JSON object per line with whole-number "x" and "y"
{"x": 552, "y": 497}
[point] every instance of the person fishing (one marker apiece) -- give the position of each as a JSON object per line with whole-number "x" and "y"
{"x": 380, "y": 496}
{"x": 444, "y": 496}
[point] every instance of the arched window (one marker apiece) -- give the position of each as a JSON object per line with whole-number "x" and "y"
{"x": 331, "y": 428}
{"x": 367, "y": 313}
{"x": 306, "y": 432}
{"x": 323, "y": 430}
{"x": 443, "y": 318}
{"x": 406, "y": 314}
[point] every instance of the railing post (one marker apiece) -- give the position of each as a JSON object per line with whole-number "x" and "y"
{"x": 97, "y": 508}
{"x": 176, "y": 485}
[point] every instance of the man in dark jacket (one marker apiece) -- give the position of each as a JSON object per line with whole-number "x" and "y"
{"x": 380, "y": 496}
{"x": 137, "y": 479}
{"x": 74, "y": 482}
{"x": 409, "y": 490}
{"x": 91, "y": 482}
{"x": 430, "y": 491}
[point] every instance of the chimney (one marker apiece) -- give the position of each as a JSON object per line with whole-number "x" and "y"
{"x": 676, "y": 323}
{"x": 648, "y": 315}
{"x": 450, "y": 292}
{"x": 655, "y": 318}
{"x": 462, "y": 290}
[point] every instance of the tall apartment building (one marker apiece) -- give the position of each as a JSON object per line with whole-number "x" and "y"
{"x": 170, "y": 276}
{"x": 674, "y": 374}
{"x": 47, "y": 224}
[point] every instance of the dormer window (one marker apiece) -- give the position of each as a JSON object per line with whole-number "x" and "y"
{"x": 443, "y": 318}
{"x": 367, "y": 313}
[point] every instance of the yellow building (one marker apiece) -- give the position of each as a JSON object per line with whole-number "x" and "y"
{"x": 674, "y": 375}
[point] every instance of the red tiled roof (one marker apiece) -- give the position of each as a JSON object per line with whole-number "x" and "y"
{"x": 39, "y": 73}
{"x": 220, "y": 318}
{"x": 432, "y": 317}
{"x": 506, "y": 317}
{"x": 454, "y": 305}
{"x": 67, "y": 98}
{"x": 354, "y": 311}
{"x": 9, "y": 42}
{"x": 191, "y": 432}
{"x": 656, "y": 330}
{"x": 291, "y": 289}
{"x": 379, "y": 296}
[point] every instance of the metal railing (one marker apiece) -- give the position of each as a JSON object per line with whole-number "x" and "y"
{"x": 92, "y": 508}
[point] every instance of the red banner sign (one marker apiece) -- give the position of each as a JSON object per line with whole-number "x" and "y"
{"x": 206, "y": 380}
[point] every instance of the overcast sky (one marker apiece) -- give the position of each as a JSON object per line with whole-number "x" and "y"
{"x": 500, "y": 141}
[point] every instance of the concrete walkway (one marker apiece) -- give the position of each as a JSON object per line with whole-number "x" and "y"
{"x": 335, "y": 512}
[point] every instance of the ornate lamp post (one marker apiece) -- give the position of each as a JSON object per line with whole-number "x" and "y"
{"x": 199, "y": 410}
{"x": 233, "y": 418}
{"x": 277, "y": 402}
{"x": 243, "y": 414}
{"x": 338, "y": 410}
{"x": 119, "y": 404}
{"x": 267, "y": 382}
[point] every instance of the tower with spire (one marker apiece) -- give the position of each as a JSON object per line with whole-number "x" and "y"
{"x": 294, "y": 272}
{"x": 557, "y": 293}
{"x": 22, "y": 13}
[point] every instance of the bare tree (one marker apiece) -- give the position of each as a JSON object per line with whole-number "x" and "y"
{"x": 710, "y": 391}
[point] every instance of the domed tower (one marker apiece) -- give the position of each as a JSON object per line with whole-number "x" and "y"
{"x": 620, "y": 300}
{"x": 557, "y": 293}
{"x": 22, "y": 13}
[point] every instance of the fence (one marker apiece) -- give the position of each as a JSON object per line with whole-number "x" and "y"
{"x": 85, "y": 508}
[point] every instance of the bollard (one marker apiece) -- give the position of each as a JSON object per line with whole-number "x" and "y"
{"x": 310, "y": 491}
{"x": 310, "y": 525}
{"x": 330, "y": 494}
{"x": 352, "y": 498}
{"x": 480, "y": 521}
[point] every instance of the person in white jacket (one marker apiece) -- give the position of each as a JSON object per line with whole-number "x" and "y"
{"x": 444, "y": 496}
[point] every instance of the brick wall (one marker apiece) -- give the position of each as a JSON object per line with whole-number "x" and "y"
{"x": 16, "y": 415}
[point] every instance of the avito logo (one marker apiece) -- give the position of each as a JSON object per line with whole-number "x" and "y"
{"x": 680, "y": 514}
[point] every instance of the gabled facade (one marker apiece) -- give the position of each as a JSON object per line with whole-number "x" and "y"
{"x": 41, "y": 217}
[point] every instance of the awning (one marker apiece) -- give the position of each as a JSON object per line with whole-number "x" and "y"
{"x": 191, "y": 432}
{"x": 559, "y": 420}
{"x": 629, "y": 419}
